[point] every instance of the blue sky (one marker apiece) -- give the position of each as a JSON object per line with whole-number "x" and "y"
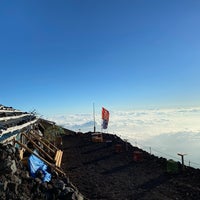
{"x": 61, "y": 56}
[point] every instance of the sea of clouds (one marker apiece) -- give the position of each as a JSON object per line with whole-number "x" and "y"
{"x": 163, "y": 132}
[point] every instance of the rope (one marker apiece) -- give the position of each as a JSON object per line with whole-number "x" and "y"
{"x": 168, "y": 155}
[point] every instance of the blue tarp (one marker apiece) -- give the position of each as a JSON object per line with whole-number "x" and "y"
{"x": 36, "y": 164}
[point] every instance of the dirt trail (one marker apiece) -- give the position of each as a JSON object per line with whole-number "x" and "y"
{"x": 101, "y": 173}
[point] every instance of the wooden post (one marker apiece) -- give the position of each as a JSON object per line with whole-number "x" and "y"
{"x": 182, "y": 159}
{"x": 126, "y": 144}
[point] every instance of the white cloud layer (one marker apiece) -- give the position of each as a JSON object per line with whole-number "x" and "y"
{"x": 167, "y": 127}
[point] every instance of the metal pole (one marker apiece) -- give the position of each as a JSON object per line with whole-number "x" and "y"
{"x": 182, "y": 159}
{"x": 150, "y": 150}
{"x": 94, "y": 118}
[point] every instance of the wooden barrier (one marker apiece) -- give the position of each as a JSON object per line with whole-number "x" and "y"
{"x": 38, "y": 147}
{"x": 57, "y": 153}
{"x": 45, "y": 161}
{"x": 46, "y": 149}
{"x": 45, "y": 142}
{"x": 97, "y": 138}
{"x": 137, "y": 156}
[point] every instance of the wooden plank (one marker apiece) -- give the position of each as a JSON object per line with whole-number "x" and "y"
{"x": 21, "y": 154}
{"x": 45, "y": 161}
{"x": 52, "y": 145}
{"x": 60, "y": 160}
{"x": 58, "y": 157}
{"x": 38, "y": 147}
{"x": 36, "y": 136}
{"x": 46, "y": 141}
{"x": 42, "y": 140}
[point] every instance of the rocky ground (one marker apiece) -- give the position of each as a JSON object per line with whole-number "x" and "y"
{"x": 101, "y": 171}
{"x": 17, "y": 184}
{"x": 105, "y": 170}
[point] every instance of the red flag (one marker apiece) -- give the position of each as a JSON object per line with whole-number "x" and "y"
{"x": 105, "y": 114}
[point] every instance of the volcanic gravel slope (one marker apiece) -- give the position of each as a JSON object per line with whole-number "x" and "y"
{"x": 101, "y": 173}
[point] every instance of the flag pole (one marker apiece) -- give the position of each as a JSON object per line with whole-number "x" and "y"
{"x": 94, "y": 118}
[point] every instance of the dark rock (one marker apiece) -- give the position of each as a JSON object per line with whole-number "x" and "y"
{"x": 16, "y": 179}
{"x": 3, "y": 154}
{"x": 69, "y": 189}
{"x": 59, "y": 184}
{"x": 24, "y": 174}
{"x": 77, "y": 196}
{"x": 45, "y": 185}
{"x": 38, "y": 180}
{"x": 13, "y": 167}
{"x": 50, "y": 186}
{"x": 8, "y": 165}
{"x": 16, "y": 183}
{"x": 10, "y": 149}
{"x": 5, "y": 185}
{"x": 40, "y": 174}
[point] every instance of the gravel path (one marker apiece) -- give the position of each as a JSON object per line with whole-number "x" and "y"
{"x": 100, "y": 172}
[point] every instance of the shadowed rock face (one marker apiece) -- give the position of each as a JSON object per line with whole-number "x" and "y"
{"x": 102, "y": 171}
